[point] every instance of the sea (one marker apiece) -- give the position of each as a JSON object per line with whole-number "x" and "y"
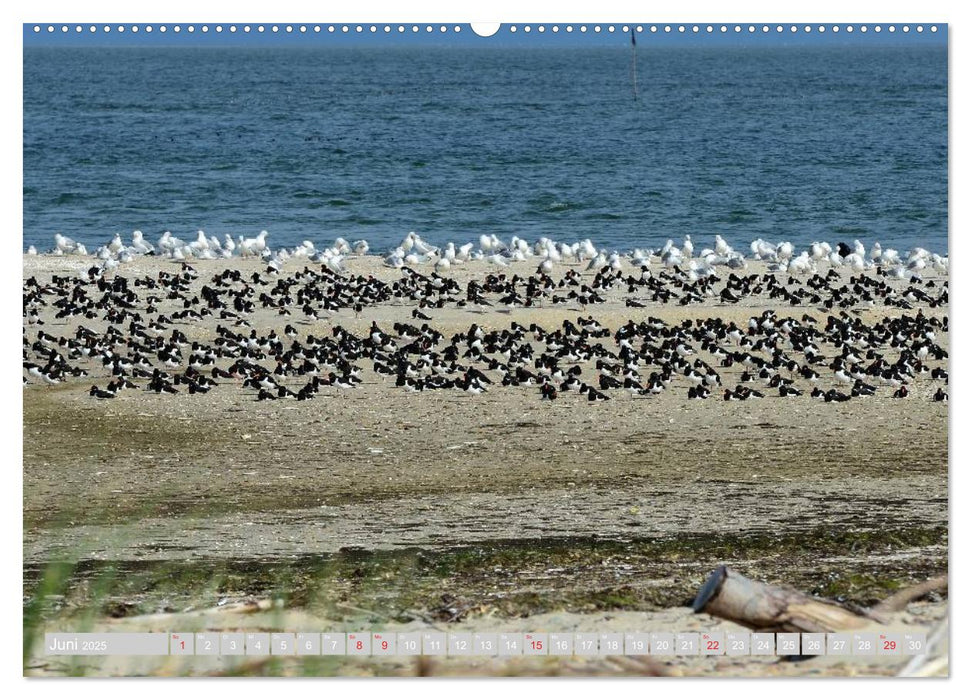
{"x": 782, "y": 143}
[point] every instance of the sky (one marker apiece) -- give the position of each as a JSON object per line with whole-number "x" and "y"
{"x": 220, "y": 34}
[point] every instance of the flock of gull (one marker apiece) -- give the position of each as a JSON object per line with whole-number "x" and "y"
{"x": 414, "y": 252}
{"x": 824, "y": 350}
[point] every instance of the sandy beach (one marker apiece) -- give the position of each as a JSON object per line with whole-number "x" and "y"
{"x": 496, "y": 509}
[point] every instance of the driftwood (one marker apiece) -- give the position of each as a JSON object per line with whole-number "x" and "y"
{"x": 899, "y": 600}
{"x": 759, "y": 606}
{"x": 935, "y": 661}
{"x": 246, "y": 607}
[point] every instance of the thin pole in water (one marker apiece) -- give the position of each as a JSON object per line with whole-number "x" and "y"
{"x": 633, "y": 61}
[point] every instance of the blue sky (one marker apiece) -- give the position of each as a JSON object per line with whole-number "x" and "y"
{"x": 504, "y": 38}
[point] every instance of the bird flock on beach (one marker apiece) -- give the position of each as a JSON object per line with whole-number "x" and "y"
{"x": 413, "y": 251}
{"x": 147, "y": 340}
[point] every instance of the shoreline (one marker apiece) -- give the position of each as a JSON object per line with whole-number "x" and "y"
{"x": 412, "y": 251}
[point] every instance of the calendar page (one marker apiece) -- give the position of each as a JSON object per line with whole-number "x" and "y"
{"x": 515, "y": 349}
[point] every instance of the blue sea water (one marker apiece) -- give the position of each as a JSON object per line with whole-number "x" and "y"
{"x": 801, "y": 144}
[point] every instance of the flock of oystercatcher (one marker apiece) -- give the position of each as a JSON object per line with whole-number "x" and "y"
{"x": 148, "y": 340}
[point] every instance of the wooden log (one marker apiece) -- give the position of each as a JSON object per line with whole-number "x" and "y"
{"x": 245, "y": 607}
{"x": 729, "y": 595}
{"x": 901, "y": 599}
